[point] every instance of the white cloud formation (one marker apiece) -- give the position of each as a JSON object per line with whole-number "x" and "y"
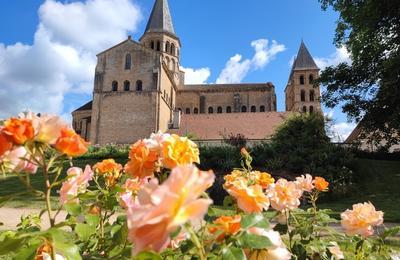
{"x": 340, "y": 55}
{"x": 196, "y": 76}
{"x": 236, "y": 68}
{"x": 62, "y": 58}
{"x": 341, "y": 131}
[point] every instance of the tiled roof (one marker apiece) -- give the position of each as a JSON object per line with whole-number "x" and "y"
{"x": 214, "y": 126}
{"x": 304, "y": 60}
{"x": 228, "y": 87}
{"x": 87, "y": 106}
{"x": 160, "y": 19}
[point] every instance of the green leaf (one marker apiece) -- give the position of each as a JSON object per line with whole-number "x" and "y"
{"x": 390, "y": 232}
{"x": 282, "y": 229}
{"x": 64, "y": 244}
{"x": 29, "y": 250}
{"x": 147, "y": 256}
{"x": 10, "y": 244}
{"x": 92, "y": 220}
{"x": 233, "y": 253}
{"x": 251, "y": 220}
{"x": 84, "y": 231}
{"x": 73, "y": 209}
{"x": 254, "y": 241}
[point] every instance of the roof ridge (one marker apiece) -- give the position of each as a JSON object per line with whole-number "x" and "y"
{"x": 160, "y": 18}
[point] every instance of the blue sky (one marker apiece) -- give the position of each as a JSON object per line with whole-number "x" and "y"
{"x": 211, "y": 32}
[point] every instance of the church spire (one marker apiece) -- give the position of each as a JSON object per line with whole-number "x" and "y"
{"x": 160, "y": 19}
{"x": 304, "y": 60}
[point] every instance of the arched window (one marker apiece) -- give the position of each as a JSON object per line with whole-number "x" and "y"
{"x": 303, "y": 95}
{"x": 195, "y": 110}
{"x": 158, "y": 46}
{"x": 219, "y": 110}
{"x": 172, "y": 65}
{"x": 152, "y": 45}
{"x": 128, "y": 61}
{"x": 180, "y": 109}
{"x": 312, "y": 95}
{"x": 301, "y": 80}
{"x": 173, "y": 49}
{"x": 187, "y": 111}
{"x": 210, "y": 110}
{"x": 115, "y": 86}
{"x": 262, "y": 108}
{"x": 304, "y": 109}
{"x": 253, "y": 109}
{"x": 244, "y": 109}
{"x": 311, "y": 79}
{"x": 167, "y": 47}
{"x": 311, "y": 109}
{"x": 228, "y": 109}
{"x": 127, "y": 85}
{"x": 139, "y": 85}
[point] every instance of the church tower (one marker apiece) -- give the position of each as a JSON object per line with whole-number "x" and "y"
{"x": 301, "y": 94}
{"x": 160, "y": 36}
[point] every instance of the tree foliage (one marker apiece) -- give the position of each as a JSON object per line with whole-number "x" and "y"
{"x": 369, "y": 87}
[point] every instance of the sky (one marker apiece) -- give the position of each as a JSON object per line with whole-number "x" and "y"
{"x": 48, "y": 48}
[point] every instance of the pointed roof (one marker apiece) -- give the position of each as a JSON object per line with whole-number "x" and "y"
{"x": 160, "y": 19}
{"x": 304, "y": 60}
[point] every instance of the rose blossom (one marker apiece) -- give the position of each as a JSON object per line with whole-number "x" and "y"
{"x": 305, "y": 182}
{"x": 163, "y": 208}
{"x": 361, "y": 219}
{"x": 277, "y": 251}
{"x": 336, "y": 252}
{"x": 128, "y": 199}
{"x": 284, "y": 195}
{"x": 78, "y": 181}
{"x": 17, "y": 160}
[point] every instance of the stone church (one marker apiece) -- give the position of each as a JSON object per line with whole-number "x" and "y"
{"x": 139, "y": 89}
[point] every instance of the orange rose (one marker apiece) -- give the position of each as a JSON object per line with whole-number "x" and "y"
{"x": 142, "y": 161}
{"x": 361, "y": 220}
{"x": 228, "y": 225}
{"x": 21, "y": 130}
{"x": 264, "y": 179}
{"x": 70, "y": 143}
{"x": 179, "y": 151}
{"x": 5, "y": 143}
{"x": 321, "y": 184}
{"x": 107, "y": 166}
{"x": 244, "y": 152}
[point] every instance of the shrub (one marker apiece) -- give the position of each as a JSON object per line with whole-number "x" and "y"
{"x": 238, "y": 140}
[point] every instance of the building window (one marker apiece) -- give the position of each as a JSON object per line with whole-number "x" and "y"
{"x": 152, "y": 45}
{"x": 210, "y": 110}
{"x": 195, "y": 110}
{"x": 244, "y": 109}
{"x": 187, "y": 111}
{"x": 219, "y": 110}
{"x": 128, "y": 61}
{"x": 312, "y": 95}
{"x": 262, "y": 108}
{"x": 311, "y": 79}
{"x": 115, "y": 86}
{"x": 127, "y": 85}
{"x": 167, "y": 47}
{"x": 139, "y": 85}
{"x": 173, "y": 49}
{"x": 172, "y": 65}
{"x": 311, "y": 109}
{"x": 301, "y": 80}
{"x": 253, "y": 109}
{"x": 303, "y": 95}
{"x": 202, "y": 104}
{"x": 304, "y": 109}
{"x": 228, "y": 109}
{"x": 158, "y": 46}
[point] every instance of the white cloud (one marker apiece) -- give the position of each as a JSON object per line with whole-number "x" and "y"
{"x": 341, "y": 131}
{"x": 339, "y": 56}
{"x": 236, "y": 68}
{"x": 62, "y": 58}
{"x": 196, "y": 76}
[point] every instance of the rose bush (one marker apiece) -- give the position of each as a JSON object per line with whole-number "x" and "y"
{"x": 156, "y": 206}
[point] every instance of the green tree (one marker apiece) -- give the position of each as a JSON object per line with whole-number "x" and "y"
{"x": 369, "y": 87}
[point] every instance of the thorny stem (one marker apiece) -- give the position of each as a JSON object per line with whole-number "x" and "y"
{"x": 287, "y": 214}
{"x": 197, "y": 242}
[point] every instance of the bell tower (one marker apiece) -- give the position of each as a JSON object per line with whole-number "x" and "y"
{"x": 301, "y": 94}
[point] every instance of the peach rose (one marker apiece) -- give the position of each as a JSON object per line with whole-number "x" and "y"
{"x": 128, "y": 199}
{"x": 321, "y": 184}
{"x": 249, "y": 198}
{"x": 20, "y": 130}
{"x": 163, "y": 208}
{"x": 143, "y": 161}
{"x": 179, "y": 151}
{"x": 6, "y": 143}
{"x": 263, "y": 179}
{"x": 49, "y": 128}
{"x": 235, "y": 176}
{"x": 156, "y": 140}
{"x": 361, "y": 219}
{"x": 77, "y": 182}
{"x": 284, "y": 195}
{"x": 227, "y": 225}
{"x": 305, "y": 183}
{"x": 277, "y": 250}
{"x": 110, "y": 170}
{"x": 70, "y": 143}
{"x": 18, "y": 160}
{"x": 336, "y": 252}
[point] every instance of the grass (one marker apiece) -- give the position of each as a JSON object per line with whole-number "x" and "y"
{"x": 378, "y": 182}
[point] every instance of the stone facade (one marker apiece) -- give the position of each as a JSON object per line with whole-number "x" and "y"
{"x": 139, "y": 89}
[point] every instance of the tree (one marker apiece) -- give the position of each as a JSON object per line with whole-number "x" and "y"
{"x": 369, "y": 87}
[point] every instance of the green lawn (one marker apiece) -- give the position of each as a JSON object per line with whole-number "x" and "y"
{"x": 378, "y": 182}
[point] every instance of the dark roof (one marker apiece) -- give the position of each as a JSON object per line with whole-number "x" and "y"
{"x": 160, "y": 19}
{"x": 87, "y": 106}
{"x": 304, "y": 60}
{"x": 227, "y": 87}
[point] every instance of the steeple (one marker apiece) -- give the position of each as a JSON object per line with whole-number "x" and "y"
{"x": 160, "y": 19}
{"x": 304, "y": 60}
